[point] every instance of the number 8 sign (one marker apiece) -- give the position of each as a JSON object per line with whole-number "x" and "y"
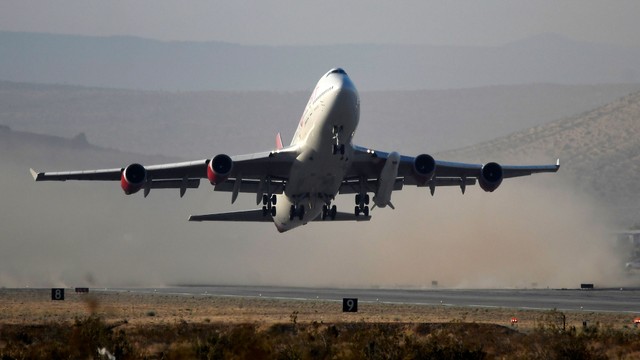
{"x": 349, "y": 305}
{"x": 57, "y": 294}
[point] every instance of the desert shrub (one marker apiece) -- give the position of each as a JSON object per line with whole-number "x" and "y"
{"x": 237, "y": 342}
{"x": 58, "y": 341}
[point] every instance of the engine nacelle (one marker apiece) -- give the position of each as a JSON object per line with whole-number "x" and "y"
{"x": 133, "y": 178}
{"x": 219, "y": 169}
{"x": 424, "y": 166}
{"x": 490, "y": 176}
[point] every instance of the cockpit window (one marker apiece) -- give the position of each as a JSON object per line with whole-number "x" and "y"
{"x": 336, "y": 71}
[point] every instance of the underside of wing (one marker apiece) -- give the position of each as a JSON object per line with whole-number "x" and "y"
{"x": 424, "y": 171}
{"x": 243, "y": 173}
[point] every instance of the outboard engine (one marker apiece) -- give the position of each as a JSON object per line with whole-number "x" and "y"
{"x": 133, "y": 178}
{"x": 219, "y": 169}
{"x": 490, "y": 176}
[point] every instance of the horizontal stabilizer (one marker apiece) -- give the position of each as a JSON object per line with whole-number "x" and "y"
{"x": 247, "y": 215}
{"x": 257, "y": 216}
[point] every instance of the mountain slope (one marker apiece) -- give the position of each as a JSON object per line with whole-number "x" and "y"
{"x": 599, "y": 149}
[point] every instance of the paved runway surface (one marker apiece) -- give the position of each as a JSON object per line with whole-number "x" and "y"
{"x": 598, "y": 300}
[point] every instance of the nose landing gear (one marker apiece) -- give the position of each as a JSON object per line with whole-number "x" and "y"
{"x": 362, "y": 200}
{"x": 337, "y": 148}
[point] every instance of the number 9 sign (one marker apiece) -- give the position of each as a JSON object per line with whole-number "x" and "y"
{"x": 349, "y": 305}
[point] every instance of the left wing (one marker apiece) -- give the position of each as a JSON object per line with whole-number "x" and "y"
{"x": 243, "y": 173}
{"x": 424, "y": 171}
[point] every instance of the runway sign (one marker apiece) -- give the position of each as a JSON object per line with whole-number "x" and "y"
{"x": 57, "y": 294}
{"x": 350, "y": 305}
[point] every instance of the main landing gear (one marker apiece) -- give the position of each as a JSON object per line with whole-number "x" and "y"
{"x": 268, "y": 205}
{"x": 296, "y": 211}
{"x": 362, "y": 200}
{"x": 329, "y": 212}
{"x": 337, "y": 148}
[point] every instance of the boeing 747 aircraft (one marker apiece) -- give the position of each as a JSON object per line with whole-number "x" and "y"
{"x": 297, "y": 184}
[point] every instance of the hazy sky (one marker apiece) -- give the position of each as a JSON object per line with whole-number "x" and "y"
{"x": 489, "y": 22}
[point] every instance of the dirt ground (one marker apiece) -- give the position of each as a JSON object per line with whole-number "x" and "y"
{"x": 34, "y": 306}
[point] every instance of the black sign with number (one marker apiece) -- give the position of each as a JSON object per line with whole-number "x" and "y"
{"x": 350, "y": 305}
{"x": 57, "y": 294}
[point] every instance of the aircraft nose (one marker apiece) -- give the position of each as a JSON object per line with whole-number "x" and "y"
{"x": 343, "y": 83}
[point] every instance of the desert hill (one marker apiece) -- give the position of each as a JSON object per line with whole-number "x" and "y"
{"x": 599, "y": 149}
{"x": 25, "y": 149}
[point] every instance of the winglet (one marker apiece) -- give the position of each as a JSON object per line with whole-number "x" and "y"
{"x": 34, "y": 174}
{"x": 279, "y": 145}
{"x": 558, "y": 163}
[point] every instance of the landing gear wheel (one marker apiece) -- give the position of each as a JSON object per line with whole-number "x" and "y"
{"x": 264, "y": 211}
{"x": 325, "y": 212}
{"x": 366, "y": 199}
{"x": 274, "y": 199}
{"x": 265, "y": 199}
{"x": 356, "y": 210}
{"x": 273, "y": 211}
{"x": 292, "y": 212}
{"x": 333, "y": 212}
{"x": 366, "y": 211}
{"x": 357, "y": 199}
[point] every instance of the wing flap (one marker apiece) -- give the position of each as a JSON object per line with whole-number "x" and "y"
{"x": 250, "y": 186}
{"x": 352, "y": 186}
{"x": 173, "y": 184}
{"x": 98, "y": 175}
{"x": 510, "y": 171}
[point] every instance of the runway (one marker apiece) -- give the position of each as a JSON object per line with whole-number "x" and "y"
{"x": 597, "y": 300}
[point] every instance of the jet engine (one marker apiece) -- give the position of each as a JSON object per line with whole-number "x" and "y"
{"x": 490, "y": 176}
{"x": 132, "y": 178}
{"x": 424, "y": 166}
{"x": 219, "y": 169}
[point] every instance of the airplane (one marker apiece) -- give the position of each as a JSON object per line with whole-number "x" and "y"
{"x": 297, "y": 183}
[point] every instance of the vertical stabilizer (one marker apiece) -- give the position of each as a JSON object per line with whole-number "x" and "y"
{"x": 279, "y": 142}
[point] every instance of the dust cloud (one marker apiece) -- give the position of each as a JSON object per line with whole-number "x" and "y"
{"x": 531, "y": 232}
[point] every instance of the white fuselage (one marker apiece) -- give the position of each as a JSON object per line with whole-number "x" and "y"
{"x": 328, "y": 122}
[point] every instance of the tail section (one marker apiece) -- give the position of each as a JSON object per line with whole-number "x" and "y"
{"x": 279, "y": 145}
